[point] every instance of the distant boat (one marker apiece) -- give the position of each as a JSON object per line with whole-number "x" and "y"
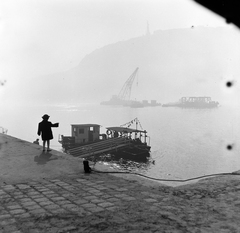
{"x": 193, "y": 102}
{"x": 136, "y": 104}
{"x": 123, "y": 98}
{"x": 115, "y": 100}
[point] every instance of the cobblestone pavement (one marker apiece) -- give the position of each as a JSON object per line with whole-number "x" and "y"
{"x": 105, "y": 203}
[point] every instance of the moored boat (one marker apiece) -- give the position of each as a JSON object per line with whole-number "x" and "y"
{"x": 121, "y": 142}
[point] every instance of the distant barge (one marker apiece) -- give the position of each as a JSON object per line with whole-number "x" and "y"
{"x": 121, "y": 142}
{"x": 116, "y": 101}
{"x": 123, "y": 98}
{"x": 193, "y": 102}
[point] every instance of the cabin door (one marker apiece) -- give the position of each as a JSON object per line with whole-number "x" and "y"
{"x": 90, "y": 134}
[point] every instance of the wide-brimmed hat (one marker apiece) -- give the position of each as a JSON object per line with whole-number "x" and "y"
{"x": 45, "y": 116}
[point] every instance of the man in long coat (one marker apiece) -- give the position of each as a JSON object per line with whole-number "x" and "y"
{"x": 45, "y": 130}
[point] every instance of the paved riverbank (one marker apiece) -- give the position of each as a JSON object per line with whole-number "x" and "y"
{"x": 51, "y": 193}
{"x": 22, "y": 161}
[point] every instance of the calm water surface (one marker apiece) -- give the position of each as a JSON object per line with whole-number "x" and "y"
{"x": 184, "y": 142}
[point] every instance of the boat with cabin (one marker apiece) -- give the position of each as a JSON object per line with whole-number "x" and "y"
{"x": 193, "y": 102}
{"x": 120, "y": 142}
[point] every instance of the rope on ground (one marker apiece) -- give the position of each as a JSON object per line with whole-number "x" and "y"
{"x": 158, "y": 179}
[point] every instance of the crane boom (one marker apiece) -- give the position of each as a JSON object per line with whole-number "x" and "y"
{"x": 125, "y": 92}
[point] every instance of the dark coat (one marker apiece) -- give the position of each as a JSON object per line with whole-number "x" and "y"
{"x": 44, "y": 129}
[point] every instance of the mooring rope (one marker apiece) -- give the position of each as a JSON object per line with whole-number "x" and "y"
{"x": 170, "y": 180}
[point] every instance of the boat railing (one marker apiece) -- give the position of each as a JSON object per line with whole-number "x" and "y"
{"x": 60, "y": 138}
{"x": 148, "y": 140}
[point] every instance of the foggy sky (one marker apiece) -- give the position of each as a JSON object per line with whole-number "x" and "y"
{"x": 42, "y": 37}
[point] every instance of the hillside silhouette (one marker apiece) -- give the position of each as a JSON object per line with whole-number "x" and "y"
{"x": 172, "y": 63}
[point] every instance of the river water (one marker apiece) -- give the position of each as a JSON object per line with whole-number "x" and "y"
{"x": 184, "y": 143}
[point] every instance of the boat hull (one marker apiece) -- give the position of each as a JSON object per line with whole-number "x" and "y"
{"x": 193, "y": 102}
{"x": 128, "y": 150}
{"x": 131, "y": 153}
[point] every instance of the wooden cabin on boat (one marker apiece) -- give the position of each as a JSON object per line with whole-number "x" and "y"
{"x": 81, "y": 134}
{"x": 84, "y": 133}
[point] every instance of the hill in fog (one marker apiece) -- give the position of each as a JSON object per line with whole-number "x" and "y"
{"x": 172, "y": 63}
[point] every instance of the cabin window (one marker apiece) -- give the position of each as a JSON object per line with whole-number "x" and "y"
{"x": 91, "y": 129}
{"x": 81, "y": 131}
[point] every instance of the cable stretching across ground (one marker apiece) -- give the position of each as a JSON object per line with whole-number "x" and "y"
{"x": 176, "y": 180}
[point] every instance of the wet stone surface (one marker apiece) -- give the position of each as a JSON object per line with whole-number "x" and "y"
{"x": 105, "y": 203}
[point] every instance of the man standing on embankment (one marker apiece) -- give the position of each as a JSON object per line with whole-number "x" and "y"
{"x": 45, "y": 129}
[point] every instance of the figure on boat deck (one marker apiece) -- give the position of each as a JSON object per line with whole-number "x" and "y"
{"x": 115, "y": 134}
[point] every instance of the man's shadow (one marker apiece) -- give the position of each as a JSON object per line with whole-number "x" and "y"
{"x": 43, "y": 158}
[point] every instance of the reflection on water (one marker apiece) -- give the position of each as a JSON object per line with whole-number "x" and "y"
{"x": 122, "y": 164}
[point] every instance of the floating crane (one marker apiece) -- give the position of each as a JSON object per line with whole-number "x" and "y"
{"x": 123, "y": 97}
{"x": 125, "y": 92}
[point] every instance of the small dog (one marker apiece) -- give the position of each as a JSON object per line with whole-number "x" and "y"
{"x": 87, "y": 169}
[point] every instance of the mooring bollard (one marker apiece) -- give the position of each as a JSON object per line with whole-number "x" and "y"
{"x": 87, "y": 169}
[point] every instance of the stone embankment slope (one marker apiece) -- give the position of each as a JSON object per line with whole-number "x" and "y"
{"x": 49, "y": 192}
